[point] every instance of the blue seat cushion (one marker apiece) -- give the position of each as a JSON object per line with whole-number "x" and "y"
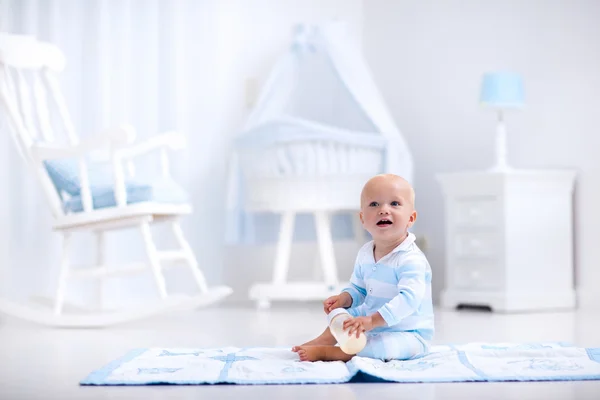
{"x": 161, "y": 190}
{"x": 65, "y": 175}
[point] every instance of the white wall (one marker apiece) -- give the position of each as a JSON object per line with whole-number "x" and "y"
{"x": 428, "y": 57}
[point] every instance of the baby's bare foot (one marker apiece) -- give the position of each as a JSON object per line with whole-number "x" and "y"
{"x": 310, "y": 353}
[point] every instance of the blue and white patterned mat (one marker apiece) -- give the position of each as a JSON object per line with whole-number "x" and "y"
{"x": 475, "y": 362}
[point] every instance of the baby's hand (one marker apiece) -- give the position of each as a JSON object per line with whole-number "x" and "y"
{"x": 358, "y": 325}
{"x": 331, "y": 303}
{"x": 337, "y": 301}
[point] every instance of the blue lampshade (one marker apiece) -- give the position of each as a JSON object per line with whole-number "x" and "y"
{"x": 502, "y": 90}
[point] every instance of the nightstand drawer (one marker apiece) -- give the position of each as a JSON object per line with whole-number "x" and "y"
{"x": 482, "y": 244}
{"x": 476, "y": 275}
{"x": 476, "y": 211}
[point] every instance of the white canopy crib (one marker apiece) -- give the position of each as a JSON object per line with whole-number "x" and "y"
{"x": 319, "y": 131}
{"x": 84, "y": 196}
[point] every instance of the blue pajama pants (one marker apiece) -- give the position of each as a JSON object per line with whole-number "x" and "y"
{"x": 392, "y": 345}
{"x": 388, "y": 346}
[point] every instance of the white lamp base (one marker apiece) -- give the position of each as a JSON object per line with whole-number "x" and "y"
{"x": 501, "y": 163}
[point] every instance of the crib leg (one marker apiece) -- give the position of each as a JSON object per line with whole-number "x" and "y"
{"x": 326, "y": 248}
{"x": 317, "y": 268}
{"x": 284, "y": 247}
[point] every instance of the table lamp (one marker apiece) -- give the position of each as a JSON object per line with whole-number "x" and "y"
{"x": 501, "y": 91}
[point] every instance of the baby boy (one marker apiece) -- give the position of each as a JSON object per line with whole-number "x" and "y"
{"x": 389, "y": 295}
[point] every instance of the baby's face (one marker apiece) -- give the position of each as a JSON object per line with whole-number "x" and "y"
{"x": 387, "y": 208}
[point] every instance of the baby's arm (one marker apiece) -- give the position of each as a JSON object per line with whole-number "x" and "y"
{"x": 412, "y": 281}
{"x": 411, "y": 289}
{"x": 357, "y": 288}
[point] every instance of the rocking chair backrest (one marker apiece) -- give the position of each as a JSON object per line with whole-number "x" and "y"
{"x": 29, "y": 95}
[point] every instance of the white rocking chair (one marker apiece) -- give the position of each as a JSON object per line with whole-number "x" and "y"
{"x": 83, "y": 199}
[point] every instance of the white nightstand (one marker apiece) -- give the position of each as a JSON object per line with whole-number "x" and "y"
{"x": 509, "y": 240}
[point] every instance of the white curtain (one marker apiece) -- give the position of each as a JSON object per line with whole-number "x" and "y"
{"x": 151, "y": 63}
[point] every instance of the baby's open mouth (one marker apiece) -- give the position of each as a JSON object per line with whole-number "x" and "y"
{"x": 384, "y": 222}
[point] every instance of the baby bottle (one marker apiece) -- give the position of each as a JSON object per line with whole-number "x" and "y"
{"x": 349, "y": 344}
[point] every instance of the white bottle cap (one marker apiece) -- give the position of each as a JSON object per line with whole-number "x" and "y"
{"x": 334, "y": 313}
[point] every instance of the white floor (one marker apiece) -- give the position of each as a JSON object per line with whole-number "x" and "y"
{"x": 42, "y": 363}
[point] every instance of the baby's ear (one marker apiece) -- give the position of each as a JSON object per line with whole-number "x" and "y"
{"x": 360, "y": 215}
{"x": 413, "y": 217}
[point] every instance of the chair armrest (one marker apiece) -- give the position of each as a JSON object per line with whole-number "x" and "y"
{"x": 115, "y": 138}
{"x": 168, "y": 140}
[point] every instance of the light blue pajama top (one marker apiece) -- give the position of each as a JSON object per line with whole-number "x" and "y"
{"x": 398, "y": 286}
